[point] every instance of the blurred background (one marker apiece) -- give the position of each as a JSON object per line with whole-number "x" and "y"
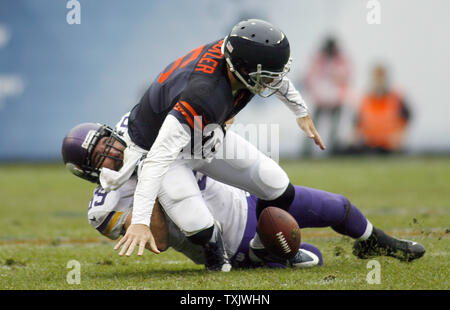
{"x": 370, "y": 87}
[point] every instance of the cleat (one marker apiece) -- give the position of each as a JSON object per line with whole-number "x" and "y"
{"x": 304, "y": 259}
{"x": 381, "y": 244}
{"x": 261, "y": 255}
{"x": 215, "y": 255}
{"x": 258, "y": 254}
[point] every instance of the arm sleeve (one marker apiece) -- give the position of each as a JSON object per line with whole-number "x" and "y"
{"x": 172, "y": 138}
{"x": 292, "y": 98}
{"x": 112, "y": 223}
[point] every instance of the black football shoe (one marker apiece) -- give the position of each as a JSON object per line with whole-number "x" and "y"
{"x": 381, "y": 244}
{"x": 261, "y": 255}
{"x": 303, "y": 258}
{"x": 215, "y": 255}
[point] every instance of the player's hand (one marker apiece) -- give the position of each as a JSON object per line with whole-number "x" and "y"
{"x": 212, "y": 143}
{"x": 137, "y": 234}
{"x": 308, "y": 127}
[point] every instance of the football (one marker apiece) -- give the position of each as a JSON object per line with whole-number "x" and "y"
{"x": 279, "y": 232}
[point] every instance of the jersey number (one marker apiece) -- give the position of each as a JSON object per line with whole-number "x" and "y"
{"x": 99, "y": 198}
{"x": 194, "y": 55}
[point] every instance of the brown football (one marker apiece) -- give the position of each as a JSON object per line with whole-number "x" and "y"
{"x": 279, "y": 232}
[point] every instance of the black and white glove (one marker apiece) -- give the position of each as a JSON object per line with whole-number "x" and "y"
{"x": 212, "y": 142}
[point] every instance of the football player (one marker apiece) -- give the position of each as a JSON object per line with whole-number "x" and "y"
{"x": 194, "y": 97}
{"x": 89, "y": 147}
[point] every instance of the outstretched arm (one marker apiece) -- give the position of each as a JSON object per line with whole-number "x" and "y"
{"x": 294, "y": 101}
{"x": 308, "y": 127}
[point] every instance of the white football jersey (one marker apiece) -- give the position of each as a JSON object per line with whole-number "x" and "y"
{"x": 122, "y": 125}
{"x": 108, "y": 212}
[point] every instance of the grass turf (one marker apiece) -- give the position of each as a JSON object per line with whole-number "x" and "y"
{"x": 44, "y": 226}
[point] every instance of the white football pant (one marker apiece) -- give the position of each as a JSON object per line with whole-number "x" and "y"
{"x": 237, "y": 163}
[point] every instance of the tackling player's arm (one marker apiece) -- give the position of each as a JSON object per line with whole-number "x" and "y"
{"x": 158, "y": 227}
{"x": 110, "y": 213}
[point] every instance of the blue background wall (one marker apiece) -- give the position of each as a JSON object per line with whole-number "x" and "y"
{"x": 54, "y": 75}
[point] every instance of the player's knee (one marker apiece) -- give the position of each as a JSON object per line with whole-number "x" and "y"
{"x": 195, "y": 223}
{"x": 190, "y": 215}
{"x": 336, "y": 201}
{"x": 336, "y": 209}
{"x": 273, "y": 179}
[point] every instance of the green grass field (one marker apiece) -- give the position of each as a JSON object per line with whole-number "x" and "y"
{"x": 43, "y": 226}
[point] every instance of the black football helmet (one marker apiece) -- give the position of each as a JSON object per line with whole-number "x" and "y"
{"x": 258, "y": 54}
{"x": 79, "y": 144}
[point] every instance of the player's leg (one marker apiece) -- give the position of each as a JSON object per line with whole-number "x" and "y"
{"x": 183, "y": 203}
{"x": 179, "y": 242}
{"x": 317, "y": 208}
{"x": 240, "y": 164}
{"x": 244, "y": 257}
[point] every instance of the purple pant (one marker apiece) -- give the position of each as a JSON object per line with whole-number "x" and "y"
{"x": 311, "y": 208}
{"x": 316, "y": 208}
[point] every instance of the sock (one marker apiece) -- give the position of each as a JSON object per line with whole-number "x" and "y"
{"x": 283, "y": 202}
{"x": 202, "y": 237}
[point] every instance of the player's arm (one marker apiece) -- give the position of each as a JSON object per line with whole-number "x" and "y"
{"x": 294, "y": 101}
{"x": 172, "y": 138}
{"x": 107, "y": 214}
{"x": 111, "y": 215}
{"x": 158, "y": 227}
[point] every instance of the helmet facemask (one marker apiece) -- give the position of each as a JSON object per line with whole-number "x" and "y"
{"x": 87, "y": 167}
{"x": 261, "y": 82}
{"x": 98, "y": 161}
{"x": 266, "y": 83}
